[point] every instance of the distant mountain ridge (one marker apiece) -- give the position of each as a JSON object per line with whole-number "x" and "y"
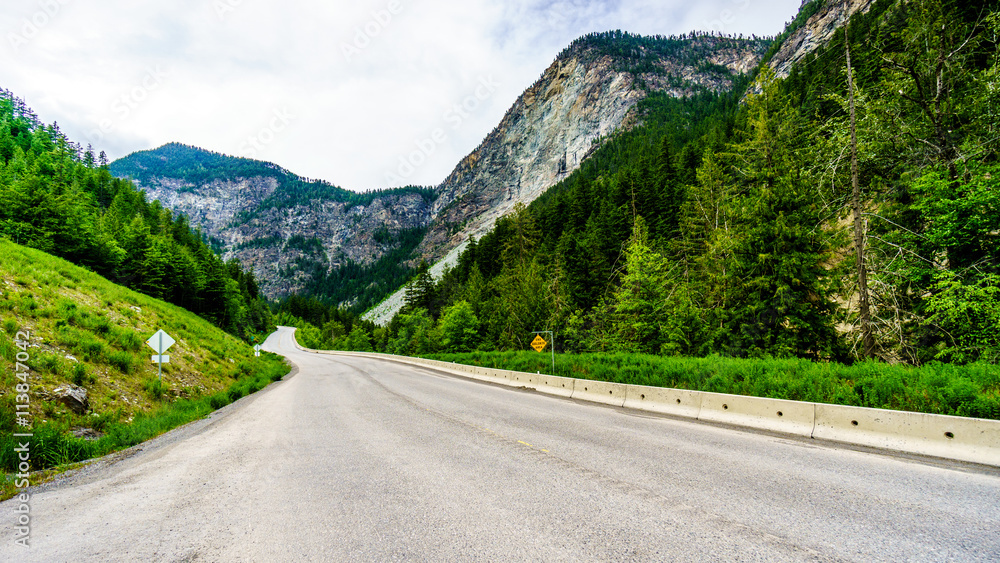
{"x": 288, "y": 229}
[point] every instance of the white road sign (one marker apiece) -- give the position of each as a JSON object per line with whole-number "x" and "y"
{"x": 160, "y": 341}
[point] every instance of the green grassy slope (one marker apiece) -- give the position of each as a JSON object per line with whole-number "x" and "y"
{"x": 87, "y": 331}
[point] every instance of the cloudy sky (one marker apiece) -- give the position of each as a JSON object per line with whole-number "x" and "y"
{"x": 338, "y": 90}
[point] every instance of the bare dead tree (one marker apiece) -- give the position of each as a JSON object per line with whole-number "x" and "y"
{"x": 868, "y": 345}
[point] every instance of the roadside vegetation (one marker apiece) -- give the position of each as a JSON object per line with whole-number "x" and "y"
{"x": 88, "y": 332}
{"x": 971, "y": 390}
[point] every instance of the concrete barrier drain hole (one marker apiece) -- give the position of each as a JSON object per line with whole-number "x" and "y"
{"x": 678, "y": 401}
{"x": 854, "y": 423}
{"x": 725, "y": 407}
{"x": 781, "y": 413}
{"x": 643, "y": 397}
{"x": 949, "y": 435}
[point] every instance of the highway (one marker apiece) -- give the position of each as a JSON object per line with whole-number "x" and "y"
{"x": 355, "y": 459}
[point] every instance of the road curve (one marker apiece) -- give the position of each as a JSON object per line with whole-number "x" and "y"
{"x": 354, "y": 459}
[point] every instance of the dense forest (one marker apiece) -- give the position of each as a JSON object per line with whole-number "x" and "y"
{"x": 730, "y": 224}
{"x": 58, "y": 197}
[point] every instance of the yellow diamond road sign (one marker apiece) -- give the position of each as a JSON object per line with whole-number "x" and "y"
{"x": 539, "y": 343}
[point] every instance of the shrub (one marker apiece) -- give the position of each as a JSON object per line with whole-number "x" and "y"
{"x": 123, "y": 361}
{"x": 154, "y": 388}
{"x": 126, "y": 339}
{"x": 218, "y": 400}
{"x": 79, "y": 374}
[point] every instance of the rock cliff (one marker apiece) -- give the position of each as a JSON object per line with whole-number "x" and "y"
{"x": 818, "y": 29}
{"x": 585, "y": 96}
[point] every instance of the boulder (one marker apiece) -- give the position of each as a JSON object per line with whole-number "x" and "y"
{"x": 74, "y": 397}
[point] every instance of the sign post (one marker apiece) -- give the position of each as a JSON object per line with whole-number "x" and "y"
{"x": 539, "y": 344}
{"x": 160, "y": 342}
{"x": 256, "y": 350}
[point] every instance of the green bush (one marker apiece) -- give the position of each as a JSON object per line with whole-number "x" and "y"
{"x": 218, "y": 400}
{"x": 154, "y": 388}
{"x": 79, "y": 374}
{"x": 123, "y": 361}
{"x": 126, "y": 339}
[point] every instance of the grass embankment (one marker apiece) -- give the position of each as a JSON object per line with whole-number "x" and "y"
{"x": 970, "y": 390}
{"x": 86, "y": 331}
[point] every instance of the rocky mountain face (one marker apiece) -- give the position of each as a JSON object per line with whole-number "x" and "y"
{"x": 819, "y": 28}
{"x": 586, "y": 95}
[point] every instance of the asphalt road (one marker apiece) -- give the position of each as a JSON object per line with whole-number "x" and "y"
{"x": 353, "y": 459}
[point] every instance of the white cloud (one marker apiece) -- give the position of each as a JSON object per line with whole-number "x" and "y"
{"x": 366, "y": 82}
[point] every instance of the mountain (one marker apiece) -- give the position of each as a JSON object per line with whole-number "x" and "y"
{"x": 303, "y": 235}
{"x": 587, "y": 95}
{"x": 290, "y": 230}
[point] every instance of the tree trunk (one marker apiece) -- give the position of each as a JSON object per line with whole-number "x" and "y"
{"x": 868, "y": 345}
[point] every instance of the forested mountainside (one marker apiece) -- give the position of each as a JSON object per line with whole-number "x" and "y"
{"x": 58, "y": 197}
{"x": 714, "y": 226}
{"x": 314, "y": 238}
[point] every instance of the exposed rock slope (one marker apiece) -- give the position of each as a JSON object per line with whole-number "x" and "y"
{"x": 583, "y": 97}
{"x": 816, "y": 32}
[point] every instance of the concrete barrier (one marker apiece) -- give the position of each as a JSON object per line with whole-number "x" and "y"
{"x": 599, "y": 392}
{"x": 490, "y": 375}
{"x": 554, "y": 385}
{"x": 776, "y": 415}
{"x": 953, "y": 437}
{"x": 522, "y": 379}
{"x": 676, "y": 402}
